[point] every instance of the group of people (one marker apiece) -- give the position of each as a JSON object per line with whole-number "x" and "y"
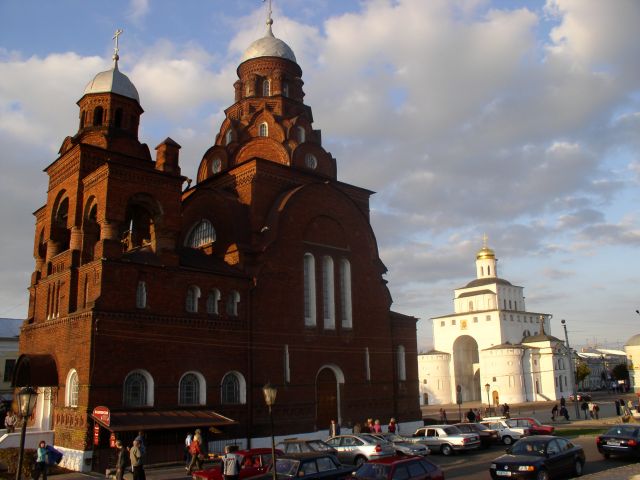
{"x": 193, "y": 451}
{"x": 624, "y": 409}
{"x": 371, "y": 426}
{"x": 135, "y": 455}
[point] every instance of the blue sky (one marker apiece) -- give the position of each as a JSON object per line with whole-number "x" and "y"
{"x": 515, "y": 119}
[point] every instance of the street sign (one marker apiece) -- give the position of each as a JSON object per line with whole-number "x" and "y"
{"x": 458, "y": 394}
{"x": 112, "y": 440}
{"x": 102, "y": 414}
{"x": 96, "y": 434}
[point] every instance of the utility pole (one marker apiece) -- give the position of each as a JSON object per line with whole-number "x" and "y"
{"x": 573, "y": 372}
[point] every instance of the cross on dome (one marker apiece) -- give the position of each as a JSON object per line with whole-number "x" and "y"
{"x": 116, "y": 49}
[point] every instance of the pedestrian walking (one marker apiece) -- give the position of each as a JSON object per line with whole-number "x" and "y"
{"x": 471, "y": 417}
{"x": 334, "y": 428}
{"x": 596, "y": 411}
{"x": 377, "y": 428}
{"x": 121, "y": 461}
{"x": 563, "y": 402}
{"x": 392, "y": 427}
{"x": 195, "y": 449}
{"x": 42, "y": 460}
{"x": 617, "y": 405}
{"x": 137, "y": 463}
{"x": 505, "y": 410}
{"x": 584, "y": 407}
{"x": 10, "y": 421}
{"x": 187, "y": 449}
{"x": 554, "y": 412}
{"x": 357, "y": 428}
{"x": 231, "y": 463}
{"x": 564, "y": 412}
{"x": 590, "y": 405}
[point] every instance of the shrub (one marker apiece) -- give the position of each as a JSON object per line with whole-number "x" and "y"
{"x": 9, "y": 460}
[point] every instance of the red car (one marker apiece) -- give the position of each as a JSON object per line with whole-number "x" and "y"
{"x": 534, "y": 426}
{"x": 400, "y": 466}
{"x": 254, "y": 461}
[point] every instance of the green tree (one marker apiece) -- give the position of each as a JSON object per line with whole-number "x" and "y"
{"x": 620, "y": 372}
{"x": 582, "y": 372}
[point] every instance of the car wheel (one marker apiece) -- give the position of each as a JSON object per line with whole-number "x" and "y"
{"x": 543, "y": 475}
{"x": 507, "y": 440}
{"x": 577, "y": 468}
{"x": 360, "y": 460}
{"x": 446, "y": 450}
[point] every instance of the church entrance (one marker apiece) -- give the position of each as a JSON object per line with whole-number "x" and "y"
{"x": 465, "y": 363}
{"x": 327, "y": 397}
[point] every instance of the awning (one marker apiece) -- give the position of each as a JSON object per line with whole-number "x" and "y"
{"x": 131, "y": 421}
{"x": 35, "y": 371}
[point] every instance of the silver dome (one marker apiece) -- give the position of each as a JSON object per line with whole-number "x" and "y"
{"x": 633, "y": 341}
{"x": 268, "y": 46}
{"x": 113, "y": 81}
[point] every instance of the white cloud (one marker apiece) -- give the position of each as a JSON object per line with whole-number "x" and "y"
{"x": 138, "y": 9}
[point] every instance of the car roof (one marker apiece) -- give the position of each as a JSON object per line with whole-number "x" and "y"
{"x": 300, "y": 440}
{"x": 533, "y": 438}
{"x": 395, "y": 459}
{"x": 254, "y": 451}
{"x": 302, "y": 455}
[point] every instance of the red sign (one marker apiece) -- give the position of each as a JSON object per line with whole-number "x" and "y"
{"x": 102, "y": 414}
{"x": 96, "y": 434}
{"x": 112, "y": 440}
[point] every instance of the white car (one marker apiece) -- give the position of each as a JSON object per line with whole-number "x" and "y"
{"x": 446, "y": 439}
{"x": 507, "y": 434}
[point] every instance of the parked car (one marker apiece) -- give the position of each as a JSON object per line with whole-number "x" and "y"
{"x": 359, "y": 448}
{"x": 581, "y": 397}
{"x": 293, "y": 446}
{"x": 403, "y": 446}
{"x": 446, "y": 439}
{"x": 487, "y": 435}
{"x": 620, "y": 440}
{"x": 534, "y": 426}
{"x": 506, "y": 434}
{"x": 399, "y": 467}
{"x": 540, "y": 457}
{"x": 311, "y": 466}
{"x": 254, "y": 461}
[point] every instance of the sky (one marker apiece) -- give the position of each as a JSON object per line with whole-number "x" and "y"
{"x": 515, "y": 119}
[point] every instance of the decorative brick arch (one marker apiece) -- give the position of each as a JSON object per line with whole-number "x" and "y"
{"x": 263, "y": 147}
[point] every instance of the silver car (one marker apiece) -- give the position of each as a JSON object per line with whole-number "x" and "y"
{"x": 403, "y": 446}
{"x": 360, "y": 448}
{"x": 446, "y": 439}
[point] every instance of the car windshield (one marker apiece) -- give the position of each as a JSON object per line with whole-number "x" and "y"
{"x": 529, "y": 448}
{"x": 319, "y": 446}
{"x": 287, "y": 467}
{"x": 374, "y": 471}
{"x": 392, "y": 437}
{"x": 370, "y": 439}
{"x": 535, "y": 422}
{"x": 624, "y": 431}
{"x": 480, "y": 426}
{"x": 452, "y": 431}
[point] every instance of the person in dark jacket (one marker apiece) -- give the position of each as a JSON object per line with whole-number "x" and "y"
{"x": 121, "y": 461}
{"x": 471, "y": 417}
{"x": 585, "y": 408}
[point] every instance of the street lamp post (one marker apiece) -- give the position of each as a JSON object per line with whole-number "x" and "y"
{"x": 27, "y": 397}
{"x": 487, "y": 387}
{"x": 270, "y": 393}
{"x": 572, "y": 370}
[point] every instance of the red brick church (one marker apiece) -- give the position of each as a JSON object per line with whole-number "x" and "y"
{"x": 173, "y": 304}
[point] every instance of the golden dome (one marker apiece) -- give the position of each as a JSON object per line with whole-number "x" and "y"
{"x": 485, "y": 252}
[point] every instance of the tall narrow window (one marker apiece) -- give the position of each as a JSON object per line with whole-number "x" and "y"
{"x": 301, "y": 134}
{"x": 228, "y": 138}
{"x": 138, "y": 389}
{"x": 309, "y": 290}
{"x": 402, "y": 369}
{"x": 328, "y": 297}
{"x": 193, "y": 295}
{"x": 213, "y": 299}
{"x": 287, "y": 368}
{"x": 85, "y": 293}
{"x": 202, "y": 234}
{"x": 367, "y": 365}
{"x": 97, "y": 116}
{"x": 141, "y": 295}
{"x": 345, "y": 293}
{"x": 232, "y": 303}
{"x": 117, "y": 119}
{"x": 233, "y": 389}
{"x": 73, "y": 387}
{"x": 285, "y": 89}
{"x": 266, "y": 88}
{"x": 263, "y": 130}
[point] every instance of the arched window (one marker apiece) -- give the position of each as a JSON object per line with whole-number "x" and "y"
{"x": 138, "y": 389}
{"x": 328, "y": 299}
{"x": 216, "y": 165}
{"x": 233, "y": 389}
{"x": 470, "y": 306}
{"x": 311, "y": 161}
{"x": 263, "y": 130}
{"x": 82, "y": 118}
{"x": 309, "y": 290}
{"x": 117, "y": 120}
{"x": 141, "y": 295}
{"x": 285, "y": 89}
{"x": 232, "y": 303}
{"x": 192, "y": 389}
{"x": 345, "y": 293}
{"x": 72, "y": 388}
{"x": 98, "y": 112}
{"x": 302, "y": 134}
{"x": 266, "y": 88}
{"x": 212, "y": 302}
{"x": 202, "y": 234}
{"x": 402, "y": 369}
{"x": 228, "y": 138}
{"x": 193, "y": 296}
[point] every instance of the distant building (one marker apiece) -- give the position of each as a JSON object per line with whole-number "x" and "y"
{"x": 632, "y": 349}
{"x": 9, "y": 333}
{"x": 600, "y": 362}
{"x": 492, "y": 348}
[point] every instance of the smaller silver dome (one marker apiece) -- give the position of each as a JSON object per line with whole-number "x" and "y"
{"x": 113, "y": 81}
{"x": 633, "y": 341}
{"x": 268, "y": 46}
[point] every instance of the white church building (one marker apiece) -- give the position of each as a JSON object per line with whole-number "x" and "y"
{"x": 492, "y": 347}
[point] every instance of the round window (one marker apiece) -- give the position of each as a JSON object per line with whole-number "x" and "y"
{"x": 311, "y": 161}
{"x": 216, "y": 165}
